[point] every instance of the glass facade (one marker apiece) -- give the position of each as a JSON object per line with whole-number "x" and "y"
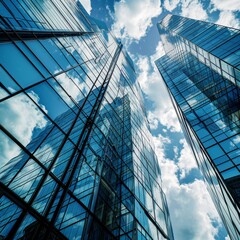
{"x": 77, "y": 159}
{"x": 201, "y": 70}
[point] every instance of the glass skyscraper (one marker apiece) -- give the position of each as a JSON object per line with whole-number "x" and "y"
{"x": 76, "y": 157}
{"x": 201, "y": 70}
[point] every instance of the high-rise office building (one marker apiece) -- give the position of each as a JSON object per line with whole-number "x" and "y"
{"x": 201, "y": 70}
{"x": 76, "y": 157}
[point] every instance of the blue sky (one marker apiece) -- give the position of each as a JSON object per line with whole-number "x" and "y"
{"x": 134, "y": 22}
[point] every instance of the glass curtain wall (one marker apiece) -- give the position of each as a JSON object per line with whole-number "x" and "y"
{"x": 76, "y": 159}
{"x": 201, "y": 71}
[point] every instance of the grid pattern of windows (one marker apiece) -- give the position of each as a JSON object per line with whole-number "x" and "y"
{"x": 203, "y": 82}
{"x": 76, "y": 154}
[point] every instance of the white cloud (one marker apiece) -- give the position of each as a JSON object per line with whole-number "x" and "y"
{"x": 191, "y": 209}
{"x": 192, "y": 212}
{"x": 186, "y": 161}
{"x": 153, "y": 86}
{"x": 20, "y": 116}
{"x": 159, "y": 52}
{"x": 153, "y": 121}
{"x": 226, "y": 5}
{"x": 176, "y": 152}
{"x": 133, "y": 18}
{"x": 164, "y": 130}
{"x": 171, "y": 4}
{"x": 227, "y": 10}
{"x": 193, "y": 9}
{"x": 169, "y": 169}
{"x": 228, "y": 18}
{"x": 87, "y": 5}
{"x": 188, "y": 8}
